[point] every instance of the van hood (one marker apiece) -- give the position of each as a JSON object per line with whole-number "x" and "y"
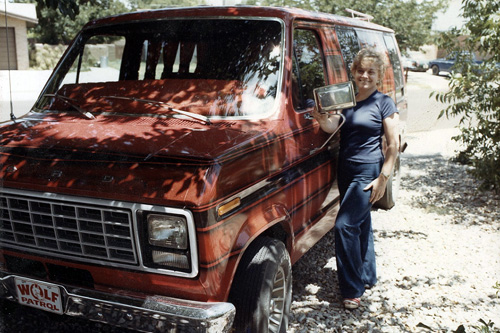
{"x": 132, "y": 158}
{"x": 140, "y": 137}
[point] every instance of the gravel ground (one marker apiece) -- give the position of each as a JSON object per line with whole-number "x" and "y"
{"x": 438, "y": 255}
{"x": 438, "y": 251}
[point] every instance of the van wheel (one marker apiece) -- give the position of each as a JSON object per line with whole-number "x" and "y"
{"x": 392, "y": 188}
{"x": 262, "y": 288}
{"x": 435, "y": 70}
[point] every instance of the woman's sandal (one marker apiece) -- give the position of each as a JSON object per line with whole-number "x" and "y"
{"x": 352, "y": 303}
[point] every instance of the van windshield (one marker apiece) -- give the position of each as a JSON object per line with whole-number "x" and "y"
{"x": 210, "y": 67}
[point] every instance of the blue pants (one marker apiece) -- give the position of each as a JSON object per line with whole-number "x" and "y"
{"x": 354, "y": 246}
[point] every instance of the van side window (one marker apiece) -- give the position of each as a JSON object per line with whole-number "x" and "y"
{"x": 308, "y": 70}
{"x": 375, "y": 40}
{"x": 396, "y": 65}
{"x": 333, "y": 58}
{"x": 349, "y": 46}
{"x": 337, "y": 66}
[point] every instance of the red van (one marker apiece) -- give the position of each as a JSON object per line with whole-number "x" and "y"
{"x": 170, "y": 174}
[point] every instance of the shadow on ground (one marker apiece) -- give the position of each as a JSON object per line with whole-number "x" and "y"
{"x": 441, "y": 186}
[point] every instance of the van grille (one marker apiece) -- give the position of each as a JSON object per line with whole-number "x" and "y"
{"x": 69, "y": 228}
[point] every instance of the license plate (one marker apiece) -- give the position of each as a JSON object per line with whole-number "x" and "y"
{"x": 40, "y": 295}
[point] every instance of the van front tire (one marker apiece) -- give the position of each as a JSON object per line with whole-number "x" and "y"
{"x": 262, "y": 288}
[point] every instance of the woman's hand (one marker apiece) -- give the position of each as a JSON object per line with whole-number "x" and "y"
{"x": 378, "y": 188}
{"x": 321, "y": 118}
{"x": 327, "y": 123}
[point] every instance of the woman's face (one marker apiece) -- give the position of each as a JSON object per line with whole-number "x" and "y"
{"x": 366, "y": 75}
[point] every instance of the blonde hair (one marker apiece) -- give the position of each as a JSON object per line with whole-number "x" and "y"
{"x": 377, "y": 58}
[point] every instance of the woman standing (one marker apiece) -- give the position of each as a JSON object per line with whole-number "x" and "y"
{"x": 362, "y": 173}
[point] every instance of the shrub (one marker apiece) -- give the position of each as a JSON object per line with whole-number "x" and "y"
{"x": 474, "y": 93}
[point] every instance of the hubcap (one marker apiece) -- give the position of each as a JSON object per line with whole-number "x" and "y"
{"x": 277, "y": 302}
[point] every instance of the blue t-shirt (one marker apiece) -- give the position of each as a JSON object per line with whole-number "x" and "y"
{"x": 361, "y": 135}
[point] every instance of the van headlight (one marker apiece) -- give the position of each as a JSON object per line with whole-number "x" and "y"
{"x": 167, "y": 242}
{"x": 168, "y": 231}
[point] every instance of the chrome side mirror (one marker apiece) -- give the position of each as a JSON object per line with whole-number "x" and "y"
{"x": 331, "y": 99}
{"x": 334, "y": 97}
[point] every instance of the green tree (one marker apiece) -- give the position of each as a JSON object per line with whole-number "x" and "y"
{"x": 474, "y": 93}
{"x": 69, "y": 8}
{"x": 60, "y": 20}
{"x": 410, "y": 19}
{"x": 56, "y": 27}
{"x": 153, "y": 4}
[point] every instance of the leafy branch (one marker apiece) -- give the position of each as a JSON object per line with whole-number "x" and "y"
{"x": 474, "y": 90}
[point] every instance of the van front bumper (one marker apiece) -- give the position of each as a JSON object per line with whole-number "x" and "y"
{"x": 151, "y": 314}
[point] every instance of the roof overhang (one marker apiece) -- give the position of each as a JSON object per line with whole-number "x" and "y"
{"x": 21, "y": 11}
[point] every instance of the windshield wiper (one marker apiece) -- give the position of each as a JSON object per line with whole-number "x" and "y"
{"x": 69, "y": 101}
{"x": 163, "y": 104}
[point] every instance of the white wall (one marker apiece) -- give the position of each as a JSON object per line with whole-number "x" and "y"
{"x": 21, "y": 36}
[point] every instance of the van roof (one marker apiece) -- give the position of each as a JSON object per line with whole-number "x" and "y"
{"x": 285, "y": 13}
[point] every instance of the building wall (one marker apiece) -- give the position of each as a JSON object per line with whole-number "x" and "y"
{"x": 21, "y": 38}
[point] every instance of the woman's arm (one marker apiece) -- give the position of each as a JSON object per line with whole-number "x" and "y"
{"x": 391, "y": 130}
{"x": 327, "y": 123}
